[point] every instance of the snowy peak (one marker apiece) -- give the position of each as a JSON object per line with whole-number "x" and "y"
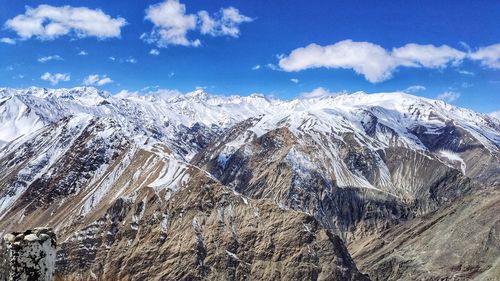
{"x": 198, "y": 95}
{"x": 364, "y": 115}
{"x": 16, "y": 119}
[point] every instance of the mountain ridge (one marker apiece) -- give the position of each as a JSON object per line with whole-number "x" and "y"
{"x": 358, "y": 165}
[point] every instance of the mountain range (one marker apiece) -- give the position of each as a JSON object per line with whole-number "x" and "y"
{"x": 385, "y": 186}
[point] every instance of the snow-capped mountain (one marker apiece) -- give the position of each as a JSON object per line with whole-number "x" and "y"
{"x": 104, "y": 170}
{"x": 26, "y": 110}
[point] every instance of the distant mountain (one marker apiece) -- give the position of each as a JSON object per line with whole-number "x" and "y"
{"x": 210, "y": 185}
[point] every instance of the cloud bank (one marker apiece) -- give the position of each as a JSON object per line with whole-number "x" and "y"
{"x": 377, "y": 64}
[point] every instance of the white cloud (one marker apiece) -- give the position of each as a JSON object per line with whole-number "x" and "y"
{"x": 49, "y": 58}
{"x": 154, "y": 52}
{"x": 256, "y": 67}
{"x": 171, "y": 74}
{"x": 429, "y": 56}
{"x": 97, "y": 80}
{"x": 414, "y": 89}
{"x": 208, "y": 24}
{"x": 48, "y": 22}
{"x": 129, "y": 60}
{"x": 363, "y": 57}
{"x": 488, "y": 56}
{"x": 294, "y": 80}
{"x": 372, "y": 61}
{"x": 466, "y": 85}
{"x": 172, "y": 24}
{"x": 55, "y": 78}
{"x": 123, "y": 94}
{"x": 464, "y": 45}
{"x": 150, "y": 88}
{"x": 83, "y": 53}
{"x": 319, "y": 92}
{"x": 8, "y": 40}
{"x": 495, "y": 114}
{"x": 123, "y": 60}
{"x": 465, "y": 72}
{"x": 448, "y": 96}
{"x": 272, "y": 66}
{"x": 226, "y": 22}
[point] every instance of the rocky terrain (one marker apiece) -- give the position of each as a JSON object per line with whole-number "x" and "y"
{"x": 233, "y": 188}
{"x": 460, "y": 241}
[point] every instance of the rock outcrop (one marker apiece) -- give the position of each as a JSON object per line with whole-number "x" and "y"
{"x": 458, "y": 241}
{"x": 28, "y": 256}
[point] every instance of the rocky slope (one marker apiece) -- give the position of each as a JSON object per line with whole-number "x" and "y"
{"x": 233, "y": 187}
{"x": 459, "y": 241}
{"x": 357, "y": 168}
{"x": 204, "y": 231}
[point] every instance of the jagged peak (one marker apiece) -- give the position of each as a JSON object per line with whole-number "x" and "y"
{"x": 198, "y": 95}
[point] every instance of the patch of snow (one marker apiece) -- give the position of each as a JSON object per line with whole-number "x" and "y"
{"x": 454, "y": 157}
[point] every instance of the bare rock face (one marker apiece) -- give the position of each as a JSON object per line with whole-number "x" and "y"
{"x": 459, "y": 241}
{"x": 204, "y": 232}
{"x": 351, "y": 189}
{"x": 28, "y": 256}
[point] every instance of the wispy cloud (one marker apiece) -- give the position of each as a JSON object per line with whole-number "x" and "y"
{"x": 48, "y": 22}
{"x": 123, "y": 60}
{"x": 294, "y": 80}
{"x": 256, "y": 67}
{"x": 466, "y": 85}
{"x": 465, "y": 72}
{"x": 97, "y": 80}
{"x": 319, "y": 92}
{"x": 8, "y": 40}
{"x": 414, "y": 89}
{"x": 448, "y": 96}
{"x": 55, "y": 78}
{"x": 154, "y": 52}
{"x": 83, "y": 53}
{"x": 49, "y": 58}
{"x": 272, "y": 66}
{"x": 129, "y": 60}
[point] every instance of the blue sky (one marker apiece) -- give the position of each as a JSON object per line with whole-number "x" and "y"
{"x": 449, "y": 49}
